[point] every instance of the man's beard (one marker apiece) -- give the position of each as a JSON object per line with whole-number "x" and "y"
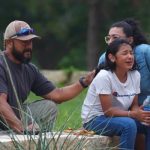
{"x": 20, "y": 56}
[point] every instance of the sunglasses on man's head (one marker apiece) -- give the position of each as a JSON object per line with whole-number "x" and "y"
{"x": 23, "y": 32}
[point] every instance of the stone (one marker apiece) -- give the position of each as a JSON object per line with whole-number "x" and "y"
{"x": 56, "y": 76}
{"x": 55, "y": 141}
{"x": 76, "y": 75}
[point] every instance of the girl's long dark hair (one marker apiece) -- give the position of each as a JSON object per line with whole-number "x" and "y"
{"x": 113, "y": 48}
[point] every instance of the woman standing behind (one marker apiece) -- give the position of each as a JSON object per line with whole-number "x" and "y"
{"x": 111, "y": 105}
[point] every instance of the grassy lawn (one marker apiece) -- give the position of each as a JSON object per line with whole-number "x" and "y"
{"x": 68, "y": 112}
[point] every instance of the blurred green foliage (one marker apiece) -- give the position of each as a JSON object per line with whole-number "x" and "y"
{"x": 63, "y": 26}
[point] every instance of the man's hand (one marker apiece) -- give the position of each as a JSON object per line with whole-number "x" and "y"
{"x": 89, "y": 78}
{"x": 33, "y": 128}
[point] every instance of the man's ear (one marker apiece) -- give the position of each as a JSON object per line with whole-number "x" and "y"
{"x": 9, "y": 43}
{"x": 111, "y": 58}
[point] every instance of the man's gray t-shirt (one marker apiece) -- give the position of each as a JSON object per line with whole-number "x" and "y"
{"x": 26, "y": 78}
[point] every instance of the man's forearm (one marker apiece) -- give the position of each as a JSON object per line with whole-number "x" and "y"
{"x": 9, "y": 116}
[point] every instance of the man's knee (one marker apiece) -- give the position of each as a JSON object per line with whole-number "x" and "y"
{"x": 48, "y": 115}
{"x": 44, "y": 110}
{"x": 50, "y": 108}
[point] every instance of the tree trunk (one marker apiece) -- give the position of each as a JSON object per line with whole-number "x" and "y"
{"x": 136, "y": 3}
{"x": 92, "y": 34}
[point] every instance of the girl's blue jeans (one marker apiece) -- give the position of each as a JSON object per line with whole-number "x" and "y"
{"x": 125, "y": 127}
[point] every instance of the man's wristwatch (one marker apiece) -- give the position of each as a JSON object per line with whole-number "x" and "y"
{"x": 82, "y": 82}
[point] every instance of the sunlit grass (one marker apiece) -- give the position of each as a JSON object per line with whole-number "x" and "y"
{"x": 70, "y": 112}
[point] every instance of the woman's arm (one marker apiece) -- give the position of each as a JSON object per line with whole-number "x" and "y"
{"x": 101, "y": 59}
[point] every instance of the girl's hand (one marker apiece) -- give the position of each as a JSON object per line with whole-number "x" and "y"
{"x": 143, "y": 116}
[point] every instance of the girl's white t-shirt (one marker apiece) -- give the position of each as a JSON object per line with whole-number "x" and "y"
{"x": 106, "y": 82}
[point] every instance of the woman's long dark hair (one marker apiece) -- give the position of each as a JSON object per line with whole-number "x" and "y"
{"x": 132, "y": 28}
{"x": 138, "y": 35}
{"x": 112, "y": 48}
{"x": 126, "y": 27}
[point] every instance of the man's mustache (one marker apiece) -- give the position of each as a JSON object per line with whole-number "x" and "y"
{"x": 28, "y": 50}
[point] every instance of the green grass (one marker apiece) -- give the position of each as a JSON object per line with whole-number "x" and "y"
{"x": 69, "y": 113}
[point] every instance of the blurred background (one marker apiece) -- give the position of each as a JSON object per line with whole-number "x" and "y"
{"x": 72, "y": 31}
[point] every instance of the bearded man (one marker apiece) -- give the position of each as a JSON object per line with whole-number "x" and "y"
{"x": 18, "y": 77}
